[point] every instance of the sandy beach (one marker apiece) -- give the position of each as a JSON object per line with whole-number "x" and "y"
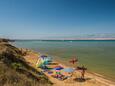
{"x": 91, "y": 79}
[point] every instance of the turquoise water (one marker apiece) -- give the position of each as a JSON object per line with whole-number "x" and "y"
{"x": 97, "y": 56}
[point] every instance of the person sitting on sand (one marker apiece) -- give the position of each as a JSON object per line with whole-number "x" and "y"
{"x": 58, "y": 74}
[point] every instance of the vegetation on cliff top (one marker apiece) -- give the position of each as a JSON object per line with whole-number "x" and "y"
{"x": 14, "y": 71}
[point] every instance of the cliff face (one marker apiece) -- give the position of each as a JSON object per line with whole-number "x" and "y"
{"x": 14, "y": 71}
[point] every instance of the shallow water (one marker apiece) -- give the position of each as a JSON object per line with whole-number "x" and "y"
{"x": 97, "y": 56}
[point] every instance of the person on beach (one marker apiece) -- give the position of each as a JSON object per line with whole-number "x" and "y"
{"x": 83, "y": 69}
{"x": 58, "y": 74}
{"x": 74, "y": 60}
{"x": 82, "y": 74}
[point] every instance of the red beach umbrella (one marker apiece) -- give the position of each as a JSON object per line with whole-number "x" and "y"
{"x": 74, "y": 60}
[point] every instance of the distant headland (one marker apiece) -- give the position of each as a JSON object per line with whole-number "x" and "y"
{"x": 64, "y": 39}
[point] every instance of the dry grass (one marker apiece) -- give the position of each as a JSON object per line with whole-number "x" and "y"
{"x": 14, "y": 71}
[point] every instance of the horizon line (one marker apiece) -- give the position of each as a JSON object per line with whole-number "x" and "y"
{"x": 64, "y": 39}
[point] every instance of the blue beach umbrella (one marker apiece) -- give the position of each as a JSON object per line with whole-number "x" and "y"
{"x": 69, "y": 70}
{"x": 47, "y": 60}
{"x": 59, "y": 68}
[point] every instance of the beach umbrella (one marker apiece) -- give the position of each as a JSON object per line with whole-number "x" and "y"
{"x": 69, "y": 70}
{"x": 59, "y": 68}
{"x": 74, "y": 60}
{"x": 47, "y": 60}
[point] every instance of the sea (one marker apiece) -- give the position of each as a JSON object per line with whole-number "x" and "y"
{"x": 97, "y": 55}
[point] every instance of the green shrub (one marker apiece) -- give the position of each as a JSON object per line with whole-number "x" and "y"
{"x": 17, "y": 65}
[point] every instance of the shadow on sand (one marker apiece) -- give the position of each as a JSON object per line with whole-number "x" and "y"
{"x": 81, "y": 79}
{"x": 53, "y": 64}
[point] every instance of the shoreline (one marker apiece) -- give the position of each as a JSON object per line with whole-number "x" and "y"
{"x": 96, "y": 78}
{"x": 70, "y": 65}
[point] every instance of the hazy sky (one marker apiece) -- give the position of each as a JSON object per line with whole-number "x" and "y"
{"x": 53, "y": 18}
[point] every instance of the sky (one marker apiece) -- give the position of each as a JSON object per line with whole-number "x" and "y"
{"x": 37, "y": 19}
